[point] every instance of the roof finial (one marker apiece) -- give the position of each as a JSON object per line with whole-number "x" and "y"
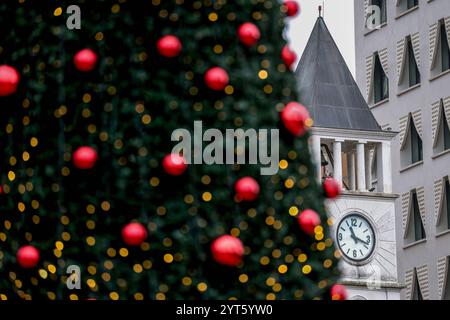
{"x": 320, "y": 11}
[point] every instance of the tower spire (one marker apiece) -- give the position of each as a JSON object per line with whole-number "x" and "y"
{"x": 327, "y": 88}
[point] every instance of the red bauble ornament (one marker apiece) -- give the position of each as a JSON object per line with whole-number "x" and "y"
{"x": 27, "y": 257}
{"x": 308, "y": 221}
{"x": 85, "y": 60}
{"x": 216, "y": 79}
{"x": 227, "y": 250}
{"x": 169, "y": 46}
{"x": 247, "y": 189}
{"x": 292, "y": 7}
{"x": 134, "y": 233}
{"x": 332, "y": 188}
{"x": 294, "y": 117}
{"x": 9, "y": 80}
{"x": 249, "y": 34}
{"x": 85, "y": 157}
{"x": 288, "y": 56}
{"x": 174, "y": 164}
{"x": 338, "y": 292}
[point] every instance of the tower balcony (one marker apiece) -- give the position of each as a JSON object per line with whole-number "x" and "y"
{"x": 359, "y": 160}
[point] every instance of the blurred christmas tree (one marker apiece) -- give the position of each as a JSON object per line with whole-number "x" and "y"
{"x": 86, "y": 121}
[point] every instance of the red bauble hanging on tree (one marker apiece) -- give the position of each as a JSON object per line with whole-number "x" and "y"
{"x": 294, "y": 117}
{"x": 85, "y": 60}
{"x": 227, "y": 250}
{"x": 308, "y": 221}
{"x": 288, "y": 56}
{"x": 169, "y": 46}
{"x": 85, "y": 157}
{"x": 292, "y": 8}
{"x": 27, "y": 257}
{"x": 9, "y": 80}
{"x": 247, "y": 189}
{"x": 134, "y": 233}
{"x": 338, "y": 292}
{"x": 249, "y": 34}
{"x": 174, "y": 164}
{"x": 332, "y": 188}
{"x": 216, "y": 79}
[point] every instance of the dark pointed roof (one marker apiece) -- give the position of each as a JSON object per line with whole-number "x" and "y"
{"x": 327, "y": 87}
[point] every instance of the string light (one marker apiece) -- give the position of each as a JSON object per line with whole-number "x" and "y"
{"x": 270, "y": 253}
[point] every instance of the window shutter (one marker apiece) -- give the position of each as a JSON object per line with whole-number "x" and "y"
{"x": 422, "y": 277}
{"x": 442, "y": 267}
{"x": 438, "y": 195}
{"x": 421, "y": 200}
{"x": 366, "y": 9}
{"x": 401, "y": 52}
{"x": 447, "y": 110}
{"x": 406, "y": 198}
{"x": 383, "y": 54}
{"x": 417, "y": 117}
{"x": 409, "y": 279}
{"x": 434, "y": 29}
{"x": 415, "y": 41}
{"x": 370, "y": 65}
{"x": 435, "y": 117}
{"x": 404, "y": 125}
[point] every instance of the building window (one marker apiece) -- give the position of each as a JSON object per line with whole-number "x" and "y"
{"x": 408, "y": 55}
{"x": 405, "y": 5}
{"x": 411, "y": 150}
{"x": 413, "y": 70}
{"x": 445, "y": 51}
{"x": 413, "y": 211}
{"x": 446, "y": 132}
{"x": 417, "y": 293}
{"x": 382, "y": 5}
{"x": 446, "y": 292}
{"x": 446, "y": 204}
{"x": 411, "y": 4}
{"x": 416, "y": 144}
{"x": 443, "y": 205}
{"x": 441, "y": 140}
{"x": 440, "y": 49}
{"x": 419, "y": 231}
{"x": 381, "y": 82}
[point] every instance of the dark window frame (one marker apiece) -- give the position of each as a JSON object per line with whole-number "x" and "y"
{"x": 417, "y": 292}
{"x": 380, "y": 82}
{"x": 382, "y": 5}
{"x": 416, "y": 143}
{"x": 445, "y": 48}
{"x": 411, "y": 4}
{"x": 445, "y": 131}
{"x": 413, "y": 69}
{"x": 419, "y": 230}
{"x": 447, "y": 201}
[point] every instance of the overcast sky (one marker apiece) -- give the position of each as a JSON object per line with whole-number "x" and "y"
{"x": 339, "y": 19}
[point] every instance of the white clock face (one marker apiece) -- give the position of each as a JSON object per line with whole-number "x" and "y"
{"x": 355, "y": 237}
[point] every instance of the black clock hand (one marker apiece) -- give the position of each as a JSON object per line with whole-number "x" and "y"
{"x": 366, "y": 243}
{"x": 354, "y": 237}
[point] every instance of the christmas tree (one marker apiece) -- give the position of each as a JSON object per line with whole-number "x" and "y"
{"x": 89, "y": 178}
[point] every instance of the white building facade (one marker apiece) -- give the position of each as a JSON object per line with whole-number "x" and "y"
{"x": 403, "y": 68}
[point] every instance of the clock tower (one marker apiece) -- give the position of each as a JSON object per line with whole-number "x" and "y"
{"x": 349, "y": 145}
